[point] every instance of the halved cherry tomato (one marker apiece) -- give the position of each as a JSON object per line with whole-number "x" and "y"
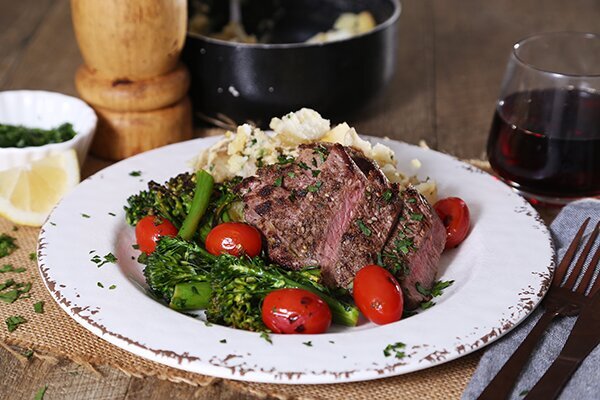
{"x": 454, "y": 213}
{"x": 234, "y": 238}
{"x": 295, "y": 311}
{"x": 149, "y": 229}
{"x": 377, "y": 295}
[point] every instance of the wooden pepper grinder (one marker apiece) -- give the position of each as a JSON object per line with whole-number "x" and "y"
{"x": 132, "y": 75}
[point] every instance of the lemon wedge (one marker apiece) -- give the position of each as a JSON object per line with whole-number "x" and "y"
{"x": 28, "y": 193}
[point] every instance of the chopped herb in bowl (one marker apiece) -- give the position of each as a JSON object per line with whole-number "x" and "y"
{"x": 22, "y": 136}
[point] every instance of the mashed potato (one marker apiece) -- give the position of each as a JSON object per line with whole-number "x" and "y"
{"x": 243, "y": 152}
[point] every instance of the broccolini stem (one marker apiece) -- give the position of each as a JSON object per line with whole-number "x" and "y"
{"x": 342, "y": 314}
{"x": 191, "y": 296}
{"x": 204, "y": 188}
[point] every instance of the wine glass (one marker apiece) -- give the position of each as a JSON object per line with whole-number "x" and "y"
{"x": 545, "y": 135}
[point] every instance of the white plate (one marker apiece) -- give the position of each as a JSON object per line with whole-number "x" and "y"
{"x": 501, "y": 272}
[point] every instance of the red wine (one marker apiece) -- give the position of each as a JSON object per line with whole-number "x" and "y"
{"x": 547, "y": 142}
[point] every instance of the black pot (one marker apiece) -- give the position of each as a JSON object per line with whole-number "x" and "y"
{"x": 258, "y": 81}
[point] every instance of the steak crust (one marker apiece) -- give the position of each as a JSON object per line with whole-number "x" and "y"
{"x": 414, "y": 248}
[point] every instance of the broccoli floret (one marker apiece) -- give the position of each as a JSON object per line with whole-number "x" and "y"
{"x": 237, "y": 284}
{"x": 171, "y": 201}
{"x": 175, "y": 261}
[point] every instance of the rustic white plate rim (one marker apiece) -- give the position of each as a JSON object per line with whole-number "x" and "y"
{"x": 501, "y": 273}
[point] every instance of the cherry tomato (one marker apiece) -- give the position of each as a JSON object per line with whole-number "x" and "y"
{"x": 377, "y": 295}
{"x": 234, "y": 238}
{"x": 454, "y": 213}
{"x": 295, "y": 311}
{"x": 149, "y": 229}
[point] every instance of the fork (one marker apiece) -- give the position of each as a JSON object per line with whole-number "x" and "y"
{"x": 562, "y": 299}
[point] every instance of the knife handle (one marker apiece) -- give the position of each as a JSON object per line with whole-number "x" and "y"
{"x": 501, "y": 386}
{"x": 555, "y": 379}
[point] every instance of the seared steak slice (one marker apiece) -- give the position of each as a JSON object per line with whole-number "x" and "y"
{"x": 330, "y": 207}
{"x": 414, "y": 248}
{"x": 372, "y": 221}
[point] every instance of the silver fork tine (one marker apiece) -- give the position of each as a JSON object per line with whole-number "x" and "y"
{"x": 589, "y": 273}
{"x": 562, "y": 268}
{"x": 593, "y": 265}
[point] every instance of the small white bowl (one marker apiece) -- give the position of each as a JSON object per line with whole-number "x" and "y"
{"x": 46, "y": 110}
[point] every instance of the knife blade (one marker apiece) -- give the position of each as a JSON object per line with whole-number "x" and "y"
{"x": 584, "y": 338}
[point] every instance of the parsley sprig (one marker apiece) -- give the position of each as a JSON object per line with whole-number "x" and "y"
{"x": 7, "y": 245}
{"x": 397, "y": 349}
{"x": 363, "y": 228}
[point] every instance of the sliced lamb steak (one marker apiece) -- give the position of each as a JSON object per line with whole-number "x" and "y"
{"x": 413, "y": 250}
{"x": 331, "y": 207}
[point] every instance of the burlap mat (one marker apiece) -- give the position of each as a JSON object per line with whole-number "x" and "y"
{"x": 55, "y": 334}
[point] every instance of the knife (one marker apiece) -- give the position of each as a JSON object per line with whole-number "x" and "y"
{"x": 584, "y": 337}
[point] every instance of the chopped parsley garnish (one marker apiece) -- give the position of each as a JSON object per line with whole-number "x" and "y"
{"x": 399, "y": 266}
{"x": 21, "y": 136}
{"x": 135, "y": 173}
{"x": 416, "y": 216}
{"x": 283, "y": 159}
{"x": 397, "y": 349}
{"x": 112, "y": 287}
{"x": 39, "y": 307}
{"x": 85, "y": 215}
{"x": 112, "y": 214}
{"x": 363, "y": 228}
{"x": 315, "y": 172}
{"x": 303, "y": 165}
{"x": 439, "y": 286}
{"x": 422, "y": 289}
{"x": 7, "y": 245}
{"x": 314, "y": 162}
{"x": 11, "y": 268}
{"x": 19, "y": 290}
{"x": 403, "y": 244}
{"x": 321, "y": 151}
{"x": 12, "y": 323}
{"x": 40, "y": 393}
{"x": 27, "y": 353}
{"x": 8, "y": 283}
{"x": 308, "y": 344}
{"x": 291, "y": 174}
{"x": 100, "y": 285}
{"x": 436, "y": 290}
{"x": 223, "y": 341}
{"x": 278, "y": 182}
{"x": 266, "y": 336}
{"x": 314, "y": 188}
{"x": 109, "y": 258}
{"x": 426, "y": 304}
{"x": 387, "y": 195}
{"x": 411, "y": 200}
{"x": 32, "y": 256}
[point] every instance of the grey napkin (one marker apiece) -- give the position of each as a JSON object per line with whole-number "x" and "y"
{"x": 585, "y": 383}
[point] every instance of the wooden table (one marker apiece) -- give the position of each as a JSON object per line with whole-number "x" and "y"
{"x": 451, "y": 59}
